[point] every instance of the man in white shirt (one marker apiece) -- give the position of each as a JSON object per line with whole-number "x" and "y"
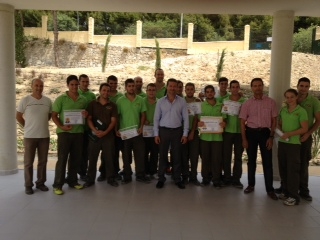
{"x": 33, "y": 113}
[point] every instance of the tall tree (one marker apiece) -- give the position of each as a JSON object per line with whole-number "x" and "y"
{"x": 19, "y": 40}
{"x": 55, "y": 38}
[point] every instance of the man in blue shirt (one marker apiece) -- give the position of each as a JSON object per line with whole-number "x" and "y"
{"x": 171, "y": 125}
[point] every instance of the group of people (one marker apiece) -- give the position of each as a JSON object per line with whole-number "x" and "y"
{"x": 146, "y": 126}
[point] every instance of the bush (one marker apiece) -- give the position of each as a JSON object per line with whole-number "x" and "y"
{"x": 302, "y": 40}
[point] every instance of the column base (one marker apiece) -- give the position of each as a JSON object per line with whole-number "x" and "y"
{"x": 8, "y": 172}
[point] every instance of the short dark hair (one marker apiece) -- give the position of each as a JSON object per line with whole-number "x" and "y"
{"x": 304, "y": 79}
{"x": 151, "y": 85}
{"x": 291, "y": 90}
{"x": 71, "y": 78}
{"x": 209, "y": 87}
{"x": 223, "y": 79}
{"x": 190, "y": 84}
{"x": 172, "y": 80}
{"x": 83, "y": 76}
{"x": 233, "y": 81}
{"x": 129, "y": 80}
{"x": 256, "y": 80}
{"x": 157, "y": 70}
{"x": 178, "y": 82}
{"x": 102, "y": 85}
{"x": 112, "y": 78}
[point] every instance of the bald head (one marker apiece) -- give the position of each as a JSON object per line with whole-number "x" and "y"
{"x": 37, "y": 87}
{"x": 138, "y": 82}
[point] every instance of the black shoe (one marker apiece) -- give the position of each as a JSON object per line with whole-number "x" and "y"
{"x": 118, "y": 177}
{"x": 29, "y": 190}
{"x": 83, "y": 178}
{"x": 248, "y": 190}
{"x": 237, "y": 184}
{"x": 160, "y": 184}
{"x": 42, "y": 188}
{"x": 121, "y": 172}
{"x": 113, "y": 183}
{"x": 278, "y": 190}
{"x": 306, "y": 197}
{"x": 88, "y": 184}
{"x": 195, "y": 182}
{"x": 185, "y": 180}
{"x": 204, "y": 183}
{"x": 217, "y": 185}
{"x": 180, "y": 185}
{"x": 126, "y": 181}
{"x": 272, "y": 195}
{"x": 143, "y": 179}
{"x": 101, "y": 178}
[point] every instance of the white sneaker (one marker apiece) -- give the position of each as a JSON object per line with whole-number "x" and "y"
{"x": 290, "y": 201}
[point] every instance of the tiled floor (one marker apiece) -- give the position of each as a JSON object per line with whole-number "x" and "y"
{"x": 138, "y": 211}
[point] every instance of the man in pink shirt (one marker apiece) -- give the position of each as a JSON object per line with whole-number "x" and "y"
{"x": 258, "y": 122}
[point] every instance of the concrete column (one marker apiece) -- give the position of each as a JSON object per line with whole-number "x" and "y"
{"x": 91, "y": 30}
{"x": 281, "y": 58}
{"x": 246, "y": 40}
{"x": 8, "y": 131}
{"x": 138, "y": 34}
{"x": 190, "y": 38}
{"x": 44, "y": 26}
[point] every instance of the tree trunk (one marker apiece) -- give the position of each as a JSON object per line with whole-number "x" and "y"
{"x": 55, "y": 38}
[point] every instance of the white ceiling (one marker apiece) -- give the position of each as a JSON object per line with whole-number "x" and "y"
{"x": 245, "y": 7}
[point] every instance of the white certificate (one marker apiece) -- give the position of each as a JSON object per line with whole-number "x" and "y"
{"x": 148, "y": 131}
{"x": 73, "y": 117}
{"x": 194, "y": 108}
{"x": 211, "y": 124}
{"x": 127, "y": 133}
{"x": 231, "y": 107}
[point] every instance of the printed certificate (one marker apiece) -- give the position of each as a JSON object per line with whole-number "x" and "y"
{"x": 194, "y": 108}
{"x": 127, "y": 133}
{"x": 73, "y": 117}
{"x": 148, "y": 131}
{"x": 211, "y": 124}
{"x": 231, "y": 107}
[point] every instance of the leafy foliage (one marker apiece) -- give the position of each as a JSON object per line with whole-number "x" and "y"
{"x": 105, "y": 53}
{"x": 158, "y": 55}
{"x": 302, "y": 40}
{"x": 220, "y": 64}
{"x": 19, "y": 41}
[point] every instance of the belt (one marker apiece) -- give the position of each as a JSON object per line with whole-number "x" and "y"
{"x": 257, "y": 129}
{"x": 171, "y": 129}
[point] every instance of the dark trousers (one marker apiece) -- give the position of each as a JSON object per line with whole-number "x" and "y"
{"x": 232, "y": 140}
{"x": 137, "y": 145}
{"x": 151, "y": 155}
{"x": 259, "y": 138}
{"x": 211, "y": 155}
{"x": 31, "y": 146}
{"x": 190, "y": 154}
{"x": 85, "y": 155}
{"x": 289, "y": 168}
{"x": 305, "y": 157}
{"x": 69, "y": 150}
{"x": 106, "y": 146}
{"x": 170, "y": 137}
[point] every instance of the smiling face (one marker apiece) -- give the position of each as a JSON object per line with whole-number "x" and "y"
{"x": 104, "y": 92}
{"x": 159, "y": 75}
{"x": 37, "y": 87}
{"x": 303, "y": 88}
{"x": 291, "y": 98}
{"x": 73, "y": 86}
{"x": 209, "y": 93}
{"x": 138, "y": 83}
{"x": 84, "y": 83}
{"x": 172, "y": 88}
{"x": 151, "y": 92}
{"x": 257, "y": 88}
{"x": 223, "y": 86}
{"x": 189, "y": 90}
{"x": 235, "y": 88}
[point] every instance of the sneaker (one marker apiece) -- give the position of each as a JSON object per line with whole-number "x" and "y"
{"x": 77, "y": 186}
{"x": 283, "y": 196}
{"x": 42, "y": 188}
{"x": 143, "y": 179}
{"x": 290, "y": 201}
{"x": 195, "y": 182}
{"x": 237, "y": 184}
{"x": 306, "y": 197}
{"x": 29, "y": 190}
{"x": 113, "y": 183}
{"x": 58, "y": 191}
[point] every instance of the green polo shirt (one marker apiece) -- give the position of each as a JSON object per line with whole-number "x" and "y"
{"x": 150, "y": 109}
{"x": 90, "y": 96}
{"x": 312, "y": 106}
{"x": 161, "y": 92}
{"x": 65, "y": 103}
{"x": 142, "y": 94}
{"x": 115, "y": 98}
{"x": 215, "y": 111}
{"x": 291, "y": 121}
{"x": 234, "y": 122}
{"x": 130, "y": 112}
{"x": 221, "y": 99}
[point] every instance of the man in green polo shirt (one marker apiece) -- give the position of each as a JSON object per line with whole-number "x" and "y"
{"x": 211, "y": 143}
{"x": 160, "y": 85}
{"x": 223, "y": 86}
{"x": 312, "y": 106}
{"x": 70, "y": 127}
{"x": 83, "y": 90}
{"x": 131, "y": 110}
{"x": 232, "y": 137}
